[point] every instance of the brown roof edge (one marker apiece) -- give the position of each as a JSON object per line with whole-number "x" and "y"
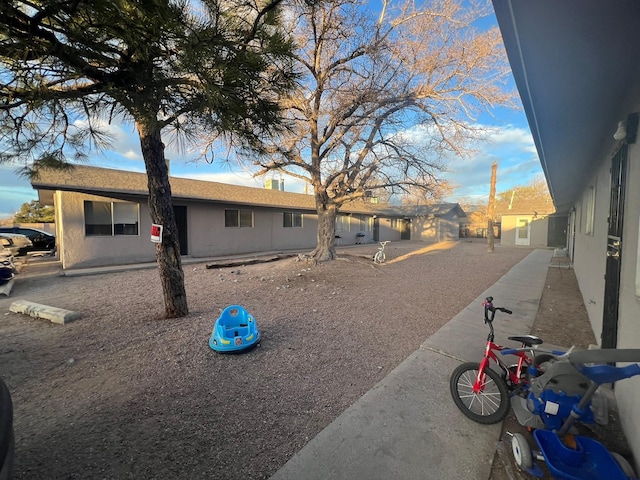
{"x": 107, "y": 182}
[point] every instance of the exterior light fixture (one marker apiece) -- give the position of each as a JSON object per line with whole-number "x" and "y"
{"x": 621, "y": 132}
{"x": 628, "y": 129}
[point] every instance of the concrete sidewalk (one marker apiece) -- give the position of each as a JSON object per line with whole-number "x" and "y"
{"x": 407, "y": 426}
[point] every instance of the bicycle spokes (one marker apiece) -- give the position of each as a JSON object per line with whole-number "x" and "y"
{"x": 481, "y": 396}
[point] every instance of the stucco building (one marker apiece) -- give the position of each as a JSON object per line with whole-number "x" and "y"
{"x": 575, "y": 66}
{"x": 102, "y": 218}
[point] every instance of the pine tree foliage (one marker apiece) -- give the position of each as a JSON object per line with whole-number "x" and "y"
{"x": 34, "y": 212}
{"x": 173, "y": 68}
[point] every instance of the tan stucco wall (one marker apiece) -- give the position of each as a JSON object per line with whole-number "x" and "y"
{"x": 206, "y": 237}
{"x": 425, "y": 229}
{"x": 434, "y": 229}
{"x": 78, "y": 250}
{"x": 388, "y": 232}
{"x": 589, "y": 260}
{"x": 538, "y": 235}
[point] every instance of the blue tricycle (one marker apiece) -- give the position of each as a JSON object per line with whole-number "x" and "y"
{"x": 563, "y": 395}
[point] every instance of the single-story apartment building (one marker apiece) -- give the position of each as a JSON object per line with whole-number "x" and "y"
{"x": 102, "y": 218}
{"x": 535, "y": 229}
{"x": 575, "y": 63}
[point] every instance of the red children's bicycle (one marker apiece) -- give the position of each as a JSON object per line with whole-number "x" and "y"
{"x": 481, "y": 393}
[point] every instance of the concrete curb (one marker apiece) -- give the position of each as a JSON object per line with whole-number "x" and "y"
{"x": 6, "y": 288}
{"x": 406, "y": 427}
{"x": 36, "y": 310}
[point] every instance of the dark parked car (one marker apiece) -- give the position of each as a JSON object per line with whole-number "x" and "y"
{"x": 41, "y": 240}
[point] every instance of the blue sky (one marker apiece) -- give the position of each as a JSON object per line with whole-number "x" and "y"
{"x": 511, "y": 146}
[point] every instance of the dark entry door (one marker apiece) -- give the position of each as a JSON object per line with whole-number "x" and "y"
{"x": 405, "y": 234}
{"x": 557, "y": 232}
{"x": 180, "y": 212}
{"x": 376, "y": 229}
{"x": 614, "y": 249}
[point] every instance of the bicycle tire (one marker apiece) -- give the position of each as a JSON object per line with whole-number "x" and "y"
{"x": 538, "y": 360}
{"x": 379, "y": 257}
{"x": 487, "y": 407}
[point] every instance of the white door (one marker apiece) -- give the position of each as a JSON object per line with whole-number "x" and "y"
{"x": 523, "y": 231}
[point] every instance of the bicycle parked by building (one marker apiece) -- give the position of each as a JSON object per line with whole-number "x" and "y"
{"x": 480, "y": 392}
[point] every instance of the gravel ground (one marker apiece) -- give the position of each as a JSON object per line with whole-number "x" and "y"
{"x": 123, "y": 393}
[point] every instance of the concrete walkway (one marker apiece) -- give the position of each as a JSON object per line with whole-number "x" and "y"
{"x": 407, "y": 426}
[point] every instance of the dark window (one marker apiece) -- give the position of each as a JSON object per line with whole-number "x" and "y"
{"x": 97, "y": 218}
{"x": 238, "y": 218}
{"x": 125, "y": 218}
{"x": 292, "y": 220}
{"x": 110, "y": 218}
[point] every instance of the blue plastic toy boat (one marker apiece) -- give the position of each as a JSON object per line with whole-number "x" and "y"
{"x": 235, "y": 330}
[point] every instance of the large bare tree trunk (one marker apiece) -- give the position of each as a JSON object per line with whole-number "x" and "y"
{"x": 161, "y": 205}
{"x": 325, "y": 242}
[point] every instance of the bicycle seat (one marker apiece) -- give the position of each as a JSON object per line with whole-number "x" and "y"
{"x": 528, "y": 340}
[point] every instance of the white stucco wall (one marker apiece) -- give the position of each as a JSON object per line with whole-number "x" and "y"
{"x": 590, "y": 249}
{"x": 590, "y": 261}
{"x": 628, "y": 391}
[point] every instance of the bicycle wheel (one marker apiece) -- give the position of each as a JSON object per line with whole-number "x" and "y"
{"x": 540, "y": 360}
{"x": 379, "y": 257}
{"x": 490, "y": 405}
{"x": 521, "y": 451}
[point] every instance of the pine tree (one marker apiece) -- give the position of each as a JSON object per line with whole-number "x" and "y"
{"x": 167, "y": 66}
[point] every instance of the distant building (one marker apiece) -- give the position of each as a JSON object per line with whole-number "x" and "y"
{"x": 275, "y": 184}
{"x": 102, "y": 218}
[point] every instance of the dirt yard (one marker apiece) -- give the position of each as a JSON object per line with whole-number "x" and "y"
{"x": 125, "y": 393}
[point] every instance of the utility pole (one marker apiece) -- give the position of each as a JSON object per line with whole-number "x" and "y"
{"x": 492, "y": 206}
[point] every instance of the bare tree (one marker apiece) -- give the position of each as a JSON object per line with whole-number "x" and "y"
{"x": 383, "y": 99}
{"x": 186, "y": 67}
{"x": 436, "y": 192}
{"x": 535, "y": 193}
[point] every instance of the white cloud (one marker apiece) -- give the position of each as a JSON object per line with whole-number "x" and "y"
{"x": 511, "y": 146}
{"x": 243, "y": 178}
{"x": 514, "y": 151}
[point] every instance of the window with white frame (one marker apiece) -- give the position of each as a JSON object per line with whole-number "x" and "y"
{"x": 589, "y": 210}
{"x": 111, "y": 218}
{"x": 292, "y": 220}
{"x": 237, "y": 218}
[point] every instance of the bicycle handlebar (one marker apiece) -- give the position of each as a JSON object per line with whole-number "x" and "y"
{"x": 488, "y": 307}
{"x": 593, "y": 364}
